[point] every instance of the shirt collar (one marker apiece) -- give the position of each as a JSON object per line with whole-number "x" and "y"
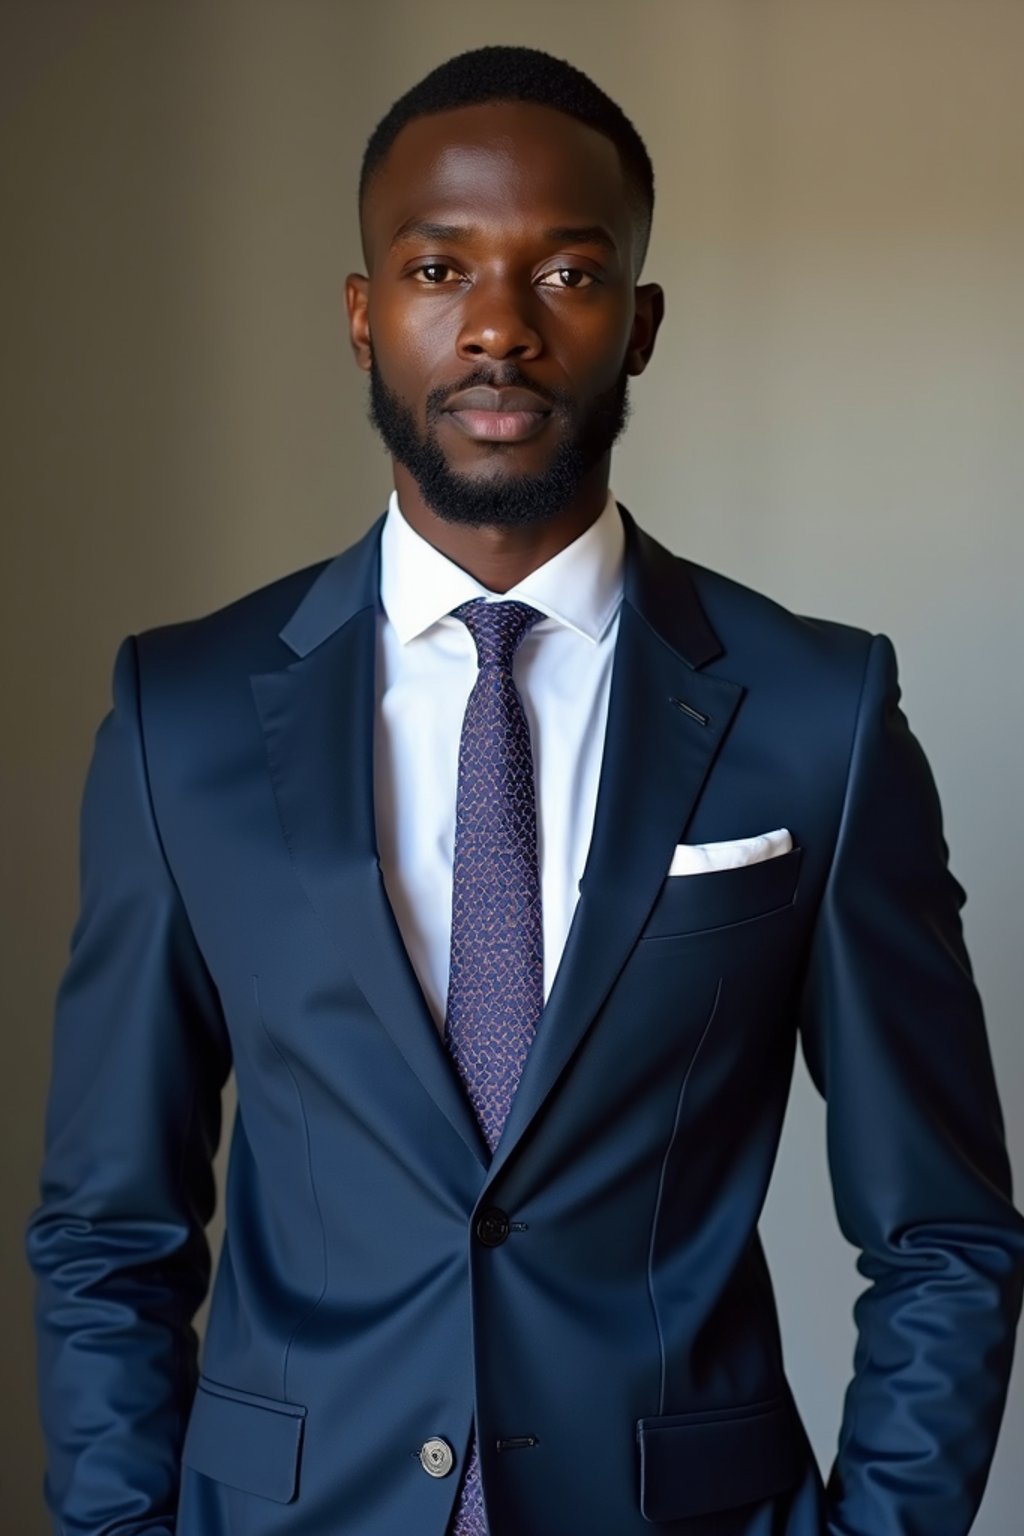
{"x": 580, "y": 587}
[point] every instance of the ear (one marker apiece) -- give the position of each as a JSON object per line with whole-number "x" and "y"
{"x": 357, "y": 301}
{"x": 647, "y": 317}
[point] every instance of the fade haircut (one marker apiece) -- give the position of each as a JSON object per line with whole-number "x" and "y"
{"x": 501, "y": 73}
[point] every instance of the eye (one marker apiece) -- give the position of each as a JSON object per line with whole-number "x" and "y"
{"x": 569, "y": 277}
{"x": 433, "y": 273}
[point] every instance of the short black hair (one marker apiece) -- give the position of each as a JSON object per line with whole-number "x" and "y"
{"x": 502, "y": 73}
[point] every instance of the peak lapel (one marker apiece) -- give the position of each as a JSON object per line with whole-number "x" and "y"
{"x": 317, "y": 716}
{"x": 666, "y": 722}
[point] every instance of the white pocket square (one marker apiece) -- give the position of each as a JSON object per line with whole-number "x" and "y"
{"x": 704, "y": 858}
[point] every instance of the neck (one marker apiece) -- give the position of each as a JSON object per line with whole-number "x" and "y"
{"x": 500, "y": 557}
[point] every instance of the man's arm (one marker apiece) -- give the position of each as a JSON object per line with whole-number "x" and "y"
{"x": 895, "y": 1040}
{"x": 117, "y": 1243}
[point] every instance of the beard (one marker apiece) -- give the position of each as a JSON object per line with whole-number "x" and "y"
{"x": 508, "y": 500}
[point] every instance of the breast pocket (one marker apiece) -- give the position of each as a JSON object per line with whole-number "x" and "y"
{"x": 724, "y": 898}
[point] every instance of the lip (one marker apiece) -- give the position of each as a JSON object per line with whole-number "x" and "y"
{"x": 497, "y": 415}
{"x": 500, "y": 426}
{"x": 485, "y": 398}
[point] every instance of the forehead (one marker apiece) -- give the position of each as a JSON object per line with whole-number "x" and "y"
{"x": 507, "y": 160}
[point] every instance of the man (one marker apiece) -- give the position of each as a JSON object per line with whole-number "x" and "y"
{"x": 505, "y": 856}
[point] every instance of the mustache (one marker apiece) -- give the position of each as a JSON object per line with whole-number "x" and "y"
{"x": 507, "y": 377}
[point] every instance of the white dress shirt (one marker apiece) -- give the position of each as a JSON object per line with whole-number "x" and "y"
{"x": 426, "y": 666}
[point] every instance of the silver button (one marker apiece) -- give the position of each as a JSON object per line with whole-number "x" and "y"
{"x": 437, "y": 1457}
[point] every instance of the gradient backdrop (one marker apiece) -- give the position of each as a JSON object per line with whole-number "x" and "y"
{"x": 835, "y": 414}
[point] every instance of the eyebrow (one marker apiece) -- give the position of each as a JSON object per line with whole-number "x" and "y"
{"x": 581, "y": 234}
{"x": 559, "y": 234}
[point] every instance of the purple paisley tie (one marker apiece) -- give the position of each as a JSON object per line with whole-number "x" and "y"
{"x": 496, "y": 978}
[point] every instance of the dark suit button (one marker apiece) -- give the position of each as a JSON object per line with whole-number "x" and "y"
{"x": 492, "y": 1227}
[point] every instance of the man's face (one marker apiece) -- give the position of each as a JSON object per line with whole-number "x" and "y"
{"x": 501, "y": 318}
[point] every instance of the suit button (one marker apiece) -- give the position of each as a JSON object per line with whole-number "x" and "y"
{"x": 437, "y": 1457}
{"x": 492, "y": 1227}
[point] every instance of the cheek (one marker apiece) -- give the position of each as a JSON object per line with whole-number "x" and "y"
{"x": 410, "y": 340}
{"x": 415, "y": 343}
{"x": 591, "y": 344}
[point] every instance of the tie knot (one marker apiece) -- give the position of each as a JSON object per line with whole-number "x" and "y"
{"x": 497, "y": 628}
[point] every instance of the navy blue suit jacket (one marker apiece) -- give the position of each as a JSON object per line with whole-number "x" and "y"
{"x": 619, "y": 1346}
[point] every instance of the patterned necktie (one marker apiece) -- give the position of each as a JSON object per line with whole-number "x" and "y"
{"x": 496, "y": 978}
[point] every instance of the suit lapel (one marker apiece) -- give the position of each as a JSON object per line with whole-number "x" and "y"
{"x": 666, "y": 722}
{"x": 317, "y": 716}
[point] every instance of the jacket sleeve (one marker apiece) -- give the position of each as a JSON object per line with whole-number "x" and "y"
{"x": 895, "y": 1040}
{"x": 117, "y": 1242}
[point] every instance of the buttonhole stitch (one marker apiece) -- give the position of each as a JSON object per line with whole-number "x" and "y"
{"x": 688, "y": 709}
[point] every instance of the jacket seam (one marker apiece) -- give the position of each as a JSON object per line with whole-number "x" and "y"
{"x": 183, "y": 1357}
{"x": 673, "y": 1137}
{"x": 304, "y": 1317}
{"x": 854, "y": 737}
{"x": 854, "y": 1398}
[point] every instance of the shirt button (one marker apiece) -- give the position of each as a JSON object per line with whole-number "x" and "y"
{"x": 437, "y": 1457}
{"x": 492, "y": 1227}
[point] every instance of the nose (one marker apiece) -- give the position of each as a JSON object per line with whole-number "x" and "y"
{"x": 496, "y": 323}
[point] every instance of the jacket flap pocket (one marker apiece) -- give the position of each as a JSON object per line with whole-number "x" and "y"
{"x": 246, "y": 1441}
{"x": 696, "y": 1463}
{"x": 690, "y": 903}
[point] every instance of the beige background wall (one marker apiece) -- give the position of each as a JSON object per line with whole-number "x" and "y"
{"x": 834, "y": 414}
